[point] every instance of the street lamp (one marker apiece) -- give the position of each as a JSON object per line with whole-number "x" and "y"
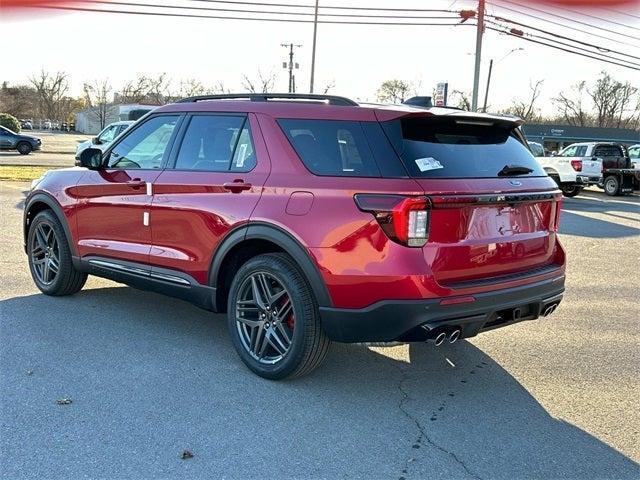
{"x": 486, "y": 95}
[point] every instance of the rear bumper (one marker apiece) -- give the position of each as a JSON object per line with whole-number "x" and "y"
{"x": 410, "y": 320}
{"x": 586, "y": 180}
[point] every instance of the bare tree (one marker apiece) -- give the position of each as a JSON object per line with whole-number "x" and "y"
{"x": 191, "y": 87}
{"x": 612, "y": 101}
{"x": 328, "y": 87}
{"x": 97, "y": 96}
{"x": 393, "y": 91}
{"x": 571, "y": 106}
{"x": 263, "y": 84}
{"x": 134, "y": 91}
{"x": 460, "y": 99}
{"x": 527, "y": 109}
{"x": 21, "y": 101}
{"x": 159, "y": 87}
{"x": 51, "y": 89}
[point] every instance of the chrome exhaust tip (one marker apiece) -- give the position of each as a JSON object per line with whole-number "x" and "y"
{"x": 454, "y": 336}
{"x": 549, "y": 310}
{"x": 440, "y": 338}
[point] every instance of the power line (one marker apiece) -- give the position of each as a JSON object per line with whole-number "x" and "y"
{"x": 226, "y": 17}
{"x": 334, "y": 7}
{"x": 557, "y": 47}
{"x": 268, "y": 12}
{"x": 565, "y": 9}
{"x": 564, "y": 25}
{"x": 573, "y": 20}
{"x": 582, "y": 49}
{"x": 621, "y": 13}
{"x": 563, "y": 37}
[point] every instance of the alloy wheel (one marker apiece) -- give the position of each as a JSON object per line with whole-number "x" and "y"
{"x": 264, "y": 318}
{"x": 45, "y": 254}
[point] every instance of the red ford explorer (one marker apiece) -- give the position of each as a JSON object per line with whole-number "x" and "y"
{"x": 310, "y": 218}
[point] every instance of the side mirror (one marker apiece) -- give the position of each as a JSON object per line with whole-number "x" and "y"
{"x": 91, "y": 158}
{"x": 96, "y": 141}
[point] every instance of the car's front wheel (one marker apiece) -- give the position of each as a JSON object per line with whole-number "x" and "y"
{"x": 50, "y": 260}
{"x": 273, "y": 318}
{"x": 24, "y": 148}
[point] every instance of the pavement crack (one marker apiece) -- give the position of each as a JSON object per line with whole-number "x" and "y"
{"x": 422, "y": 434}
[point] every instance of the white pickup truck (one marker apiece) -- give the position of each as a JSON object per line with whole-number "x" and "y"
{"x": 577, "y": 166}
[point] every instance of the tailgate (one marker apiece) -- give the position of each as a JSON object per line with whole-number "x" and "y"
{"x": 490, "y": 235}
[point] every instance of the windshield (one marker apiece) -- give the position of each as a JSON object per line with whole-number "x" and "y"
{"x": 433, "y": 147}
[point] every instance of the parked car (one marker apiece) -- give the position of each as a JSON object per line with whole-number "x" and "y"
{"x": 24, "y": 144}
{"x": 537, "y": 149}
{"x": 46, "y": 125}
{"x": 575, "y": 167}
{"x": 310, "y": 218}
{"x": 634, "y": 156}
{"x": 26, "y": 125}
{"x": 104, "y": 138}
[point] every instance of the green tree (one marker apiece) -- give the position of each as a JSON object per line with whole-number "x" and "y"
{"x": 393, "y": 91}
{"x": 9, "y": 121}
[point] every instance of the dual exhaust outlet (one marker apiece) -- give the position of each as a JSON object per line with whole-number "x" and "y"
{"x": 549, "y": 309}
{"x": 439, "y": 336}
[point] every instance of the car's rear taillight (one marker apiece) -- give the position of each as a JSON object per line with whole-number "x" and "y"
{"x": 403, "y": 219}
{"x": 576, "y": 165}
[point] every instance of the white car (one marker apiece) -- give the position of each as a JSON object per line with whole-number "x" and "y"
{"x": 634, "y": 156}
{"x": 575, "y": 167}
{"x": 104, "y": 138}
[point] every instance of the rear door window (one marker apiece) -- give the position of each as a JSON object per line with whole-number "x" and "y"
{"x": 209, "y": 143}
{"x": 331, "y": 147}
{"x": 436, "y": 147}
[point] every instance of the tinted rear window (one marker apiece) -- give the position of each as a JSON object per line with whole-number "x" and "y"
{"x": 342, "y": 148}
{"x": 448, "y": 148}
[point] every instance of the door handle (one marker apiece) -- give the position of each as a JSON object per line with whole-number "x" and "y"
{"x": 136, "y": 183}
{"x": 237, "y": 186}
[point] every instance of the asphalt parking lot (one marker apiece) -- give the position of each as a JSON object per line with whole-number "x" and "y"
{"x": 150, "y": 377}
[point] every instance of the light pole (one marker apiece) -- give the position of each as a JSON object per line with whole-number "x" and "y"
{"x": 486, "y": 94}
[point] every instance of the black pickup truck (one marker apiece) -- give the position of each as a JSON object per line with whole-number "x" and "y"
{"x": 618, "y": 175}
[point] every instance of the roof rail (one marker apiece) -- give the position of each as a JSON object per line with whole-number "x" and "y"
{"x": 265, "y": 97}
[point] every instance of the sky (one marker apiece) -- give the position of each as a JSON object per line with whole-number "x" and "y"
{"x": 356, "y": 58}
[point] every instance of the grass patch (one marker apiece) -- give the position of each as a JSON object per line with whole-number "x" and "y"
{"x": 19, "y": 173}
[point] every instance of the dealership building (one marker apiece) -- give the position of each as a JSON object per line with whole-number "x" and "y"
{"x": 556, "y": 137}
{"x": 88, "y": 120}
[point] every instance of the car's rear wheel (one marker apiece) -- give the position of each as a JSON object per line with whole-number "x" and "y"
{"x": 273, "y": 318}
{"x": 571, "y": 190}
{"x": 24, "y": 148}
{"x": 50, "y": 260}
{"x": 611, "y": 185}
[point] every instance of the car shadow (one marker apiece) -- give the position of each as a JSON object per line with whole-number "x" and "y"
{"x": 149, "y": 375}
{"x": 577, "y": 216}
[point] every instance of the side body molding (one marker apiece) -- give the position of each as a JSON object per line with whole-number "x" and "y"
{"x": 284, "y": 240}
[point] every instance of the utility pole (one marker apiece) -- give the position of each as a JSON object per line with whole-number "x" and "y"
{"x": 291, "y": 65}
{"x": 476, "y": 73}
{"x": 486, "y": 94}
{"x": 313, "y": 47}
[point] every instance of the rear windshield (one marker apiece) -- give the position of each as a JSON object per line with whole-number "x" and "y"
{"x": 454, "y": 148}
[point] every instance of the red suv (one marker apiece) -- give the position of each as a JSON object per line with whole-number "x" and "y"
{"x": 310, "y": 218}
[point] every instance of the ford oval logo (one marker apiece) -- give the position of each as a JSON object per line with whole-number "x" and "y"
{"x": 515, "y": 183}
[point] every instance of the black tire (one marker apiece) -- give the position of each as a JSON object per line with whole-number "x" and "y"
{"x": 611, "y": 185}
{"x": 571, "y": 190}
{"x": 24, "y": 148}
{"x": 67, "y": 280}
{"x": 308, "y": 343}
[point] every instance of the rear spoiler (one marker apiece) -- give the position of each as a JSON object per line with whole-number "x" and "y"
{"x": 461, "y": 116}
